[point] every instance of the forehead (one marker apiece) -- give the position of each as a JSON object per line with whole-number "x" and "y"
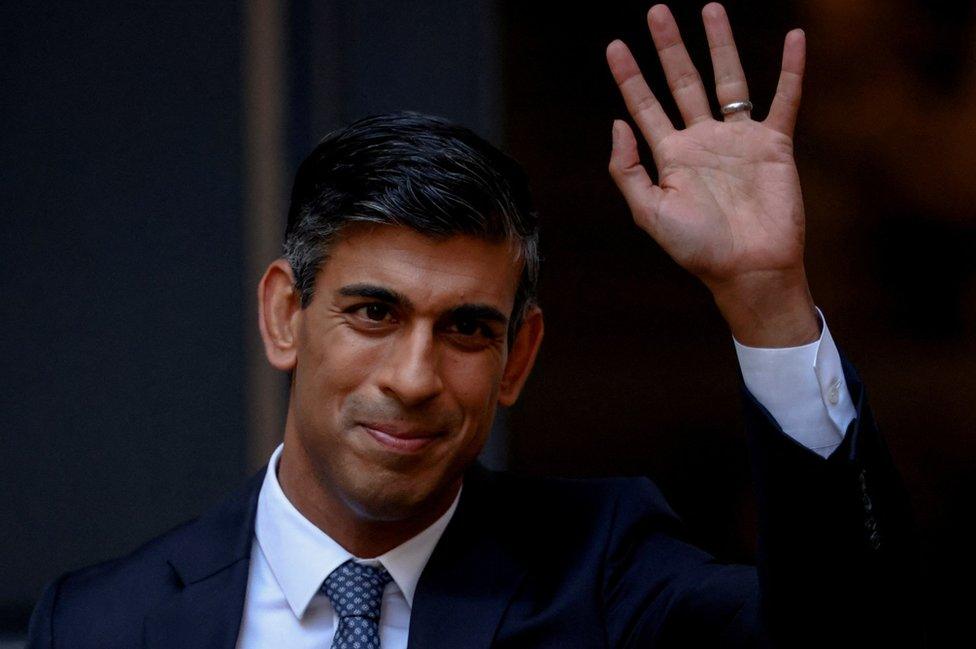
{"x": 435, "y": 272}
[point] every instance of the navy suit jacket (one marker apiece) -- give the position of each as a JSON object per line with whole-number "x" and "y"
{"x": 533, "y": 562}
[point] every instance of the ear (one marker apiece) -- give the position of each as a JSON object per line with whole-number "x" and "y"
{"x": 521, "y": 357}
{"x": 279, "y": 308}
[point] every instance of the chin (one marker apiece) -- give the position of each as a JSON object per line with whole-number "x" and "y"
{"x": 387, "y": 503}
{"x": 391, "y": 496}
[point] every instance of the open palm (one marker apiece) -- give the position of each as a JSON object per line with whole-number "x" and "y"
{"x": 727, "y": 204}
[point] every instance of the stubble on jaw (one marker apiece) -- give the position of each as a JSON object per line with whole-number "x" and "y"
{"x": 368, "y": 518}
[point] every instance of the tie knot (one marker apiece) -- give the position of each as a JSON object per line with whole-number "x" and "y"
{"x": 356, "y": 589}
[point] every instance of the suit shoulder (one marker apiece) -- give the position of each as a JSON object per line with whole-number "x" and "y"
{"x": 559, "y": 500}
{"x": 118, "y": 572}
{"x": 103, "y": 604}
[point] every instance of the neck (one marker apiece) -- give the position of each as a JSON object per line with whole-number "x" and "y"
{"x": 360, "y": 535}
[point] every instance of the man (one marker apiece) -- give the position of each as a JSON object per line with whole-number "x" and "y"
{"x": 404, "y": 310}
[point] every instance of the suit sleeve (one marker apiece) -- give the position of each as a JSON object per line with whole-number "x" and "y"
{"x": 838, "y": 555}
{"x": 661, "y": 591}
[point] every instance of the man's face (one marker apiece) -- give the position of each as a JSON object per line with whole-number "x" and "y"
{"x": 400, "y": 356}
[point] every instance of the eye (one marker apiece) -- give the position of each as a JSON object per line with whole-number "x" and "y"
{"x": 472, "y": 330}
{"x": 375, "y": 312}
{"x": 372, "y": 313}
{"x": 469, "y": 327}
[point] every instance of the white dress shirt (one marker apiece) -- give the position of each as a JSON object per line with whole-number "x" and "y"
{"x": 803, "y": 388}
{"x": 292, "y": 557}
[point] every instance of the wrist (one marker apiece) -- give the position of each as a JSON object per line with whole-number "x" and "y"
{"x": 768, "y": 309}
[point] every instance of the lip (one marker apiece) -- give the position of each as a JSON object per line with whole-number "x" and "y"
{"x": 399, "y": 438}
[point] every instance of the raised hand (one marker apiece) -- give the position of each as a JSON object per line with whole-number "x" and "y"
{"x": 727, "y": 206}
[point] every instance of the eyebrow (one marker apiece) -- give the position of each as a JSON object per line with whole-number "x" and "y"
{"x": 484, "y": 312}
{"x": 479, "y": 312}
{"x": 375, "y": 292}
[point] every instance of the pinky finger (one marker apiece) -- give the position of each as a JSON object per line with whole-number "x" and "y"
{"x": 786, "y": 103}
{"x": 630, "y": 176}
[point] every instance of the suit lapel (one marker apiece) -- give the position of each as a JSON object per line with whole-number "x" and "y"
{"x": 212, "y": 567}
{"x": 470, "y": 577}
{"x": 460, "y": 599}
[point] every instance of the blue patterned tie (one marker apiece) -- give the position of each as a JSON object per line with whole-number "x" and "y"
{"x": 356, "y": 593}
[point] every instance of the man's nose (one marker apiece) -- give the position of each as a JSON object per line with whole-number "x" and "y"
{"x": 412, "y": 372}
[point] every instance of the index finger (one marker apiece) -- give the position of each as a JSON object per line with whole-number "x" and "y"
{"x": 641, "y": 102}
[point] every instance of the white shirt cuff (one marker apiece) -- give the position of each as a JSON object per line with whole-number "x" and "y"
{"x": 803, "y": 388}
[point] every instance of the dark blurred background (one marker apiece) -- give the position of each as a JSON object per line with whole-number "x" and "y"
{"x": 147, "y": 151}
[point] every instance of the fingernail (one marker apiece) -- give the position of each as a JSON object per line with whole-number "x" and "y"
{"x": 615, "y": 130}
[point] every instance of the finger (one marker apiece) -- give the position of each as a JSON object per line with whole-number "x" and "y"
{"x": 642, "y": 195}
{"x": 641, "y": 102}
{"x": 730, "y": 80}
{"x": 786, "y": 102}
{"x": 683, "y": 78}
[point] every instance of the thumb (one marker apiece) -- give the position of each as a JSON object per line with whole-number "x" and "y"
{"x": 642, "y": 195}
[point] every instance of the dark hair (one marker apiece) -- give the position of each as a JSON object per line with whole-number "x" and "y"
{"x": 417, "y": 171}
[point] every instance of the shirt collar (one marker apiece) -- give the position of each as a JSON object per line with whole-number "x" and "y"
{"x": 301, "y": 555}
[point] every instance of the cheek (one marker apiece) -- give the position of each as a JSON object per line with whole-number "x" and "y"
{"x": 474, "y": 383}
{"x": 332, "y": 367}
